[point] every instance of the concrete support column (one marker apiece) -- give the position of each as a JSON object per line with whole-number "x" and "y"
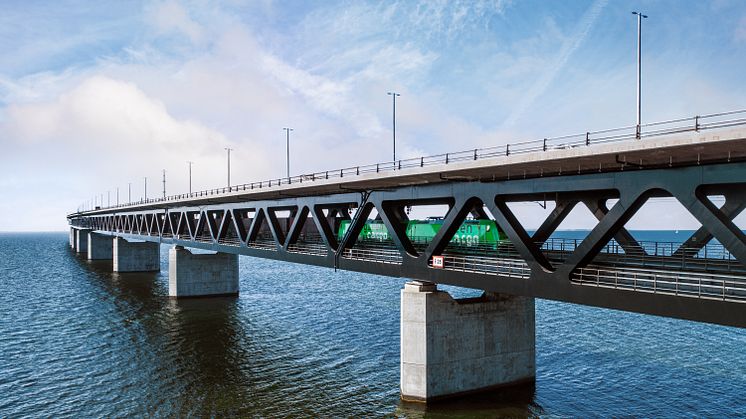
{"x": 452, "y": 347}
{"x": 136, "y": 256}
{"x": 200, "y": 275}
{"x": 100, "y": 246}
{"x": 72, "y": 238}
{"x": 81, "y": 240}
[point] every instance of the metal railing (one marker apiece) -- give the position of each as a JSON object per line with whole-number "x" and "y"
{"x": 700, "y": 277}
{"x": 687, "y": 284}
{"x": 697, "y": 279}
{"x": 713, "y": 257}
{"x": 586, "y": 139}
{"x": 500, "y": 266}
{"x": 230, "y": 241}
{"x": 263, "y": 244}
{"x": 651, "y": 248}
{"x": 373, "y": 254}
{"x": 309, "y": 248}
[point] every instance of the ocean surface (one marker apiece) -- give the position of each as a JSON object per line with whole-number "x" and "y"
{"x": 77, "y": 340}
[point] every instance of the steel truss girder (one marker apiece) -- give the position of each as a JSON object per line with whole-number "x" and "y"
{"x": 688, "y": 185}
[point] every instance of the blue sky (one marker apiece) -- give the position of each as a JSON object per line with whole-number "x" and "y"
{"x": 96, "y": 95}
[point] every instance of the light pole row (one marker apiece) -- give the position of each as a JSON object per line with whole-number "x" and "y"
{"x": 393, "y": 95}
{"x": 287, "y": 148}
{"x": 228, "y": 151}
{"x": 393, "y": 119}
{"x": 640, "y": 16}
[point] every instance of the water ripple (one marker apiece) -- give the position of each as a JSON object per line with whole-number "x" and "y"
{"x": 79, "y": 340}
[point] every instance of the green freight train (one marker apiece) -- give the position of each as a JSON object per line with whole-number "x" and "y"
{"x": 470, "y": 233}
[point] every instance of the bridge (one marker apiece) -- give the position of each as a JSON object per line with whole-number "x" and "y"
{"x": 358, "y": 219}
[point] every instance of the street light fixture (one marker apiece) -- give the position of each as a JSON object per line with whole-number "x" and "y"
{"x": 640, "y": 16}
{"x": 228, "y": 149}
{"x": 287, "y": 148}
{"x": 190, "y": 163}
{"x": 393, "y": 119}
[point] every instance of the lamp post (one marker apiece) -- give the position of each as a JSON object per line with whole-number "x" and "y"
{"x": 229, "y": 166}
{"x": 117, "y": 195}
{"x": 640, "y": 16}
{"x": 190, "y": 163}
{"x": 164, "y": 183}
{"x": 287, "y": 148}
{"x": 146, "y": 189}
{"x": 393, "y": 119}
{"x": 129, "y": 192}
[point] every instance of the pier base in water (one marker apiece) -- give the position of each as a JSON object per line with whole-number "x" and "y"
{"x": 201, "y": 275}
{"x": 80, "y": 239}
{"x": 134, "y": 256}
{"x": 454, "y": 347}
{"x": 100, "y": 246}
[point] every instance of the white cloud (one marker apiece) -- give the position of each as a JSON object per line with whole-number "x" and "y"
{"x": 203, "y": 76}
{"x": 105, "y": 114}
{"x": 169, "y": 17}
{"x": 104, "y": 133}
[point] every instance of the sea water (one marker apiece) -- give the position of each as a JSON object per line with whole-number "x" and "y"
{"x": 302, "y": 341}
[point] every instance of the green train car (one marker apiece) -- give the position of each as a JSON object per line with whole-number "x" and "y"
{"x": 470, "y": 233}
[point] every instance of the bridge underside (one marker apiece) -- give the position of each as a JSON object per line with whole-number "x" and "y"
{"x": 608, "y": 268}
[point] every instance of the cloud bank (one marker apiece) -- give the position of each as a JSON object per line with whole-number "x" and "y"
{"x": 155, "y": 84}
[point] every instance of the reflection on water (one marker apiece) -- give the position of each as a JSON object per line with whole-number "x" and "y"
{"x": 195, "y": 343}
{"x": 515, "y": 401}
{"x": 210, "y": 377}
{"x": 79, "y": 340}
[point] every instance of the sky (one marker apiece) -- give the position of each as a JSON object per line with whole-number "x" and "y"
{"x": 95, "y": 96}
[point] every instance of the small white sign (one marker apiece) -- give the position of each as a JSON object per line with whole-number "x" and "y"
{"x": 438, "y": 262}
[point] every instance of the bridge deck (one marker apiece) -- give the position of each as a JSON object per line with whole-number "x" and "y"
{"x": 609, "y": 151}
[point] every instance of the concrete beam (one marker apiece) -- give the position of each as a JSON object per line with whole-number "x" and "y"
{"x": 201, "y": 275}
{"x": 454, "y": 347}
{"x": 136, "y": 256}
{"x": 100, "y": 246}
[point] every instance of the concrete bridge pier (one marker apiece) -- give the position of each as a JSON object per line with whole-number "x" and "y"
{"x": 454, "y": 347}
{"x": 201, "y": 275}
{"x": 135, "y": 256}
{"x": 72, "y": 238}
{"x": 81, "y": 239}
{"x": 100, "y": 246}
